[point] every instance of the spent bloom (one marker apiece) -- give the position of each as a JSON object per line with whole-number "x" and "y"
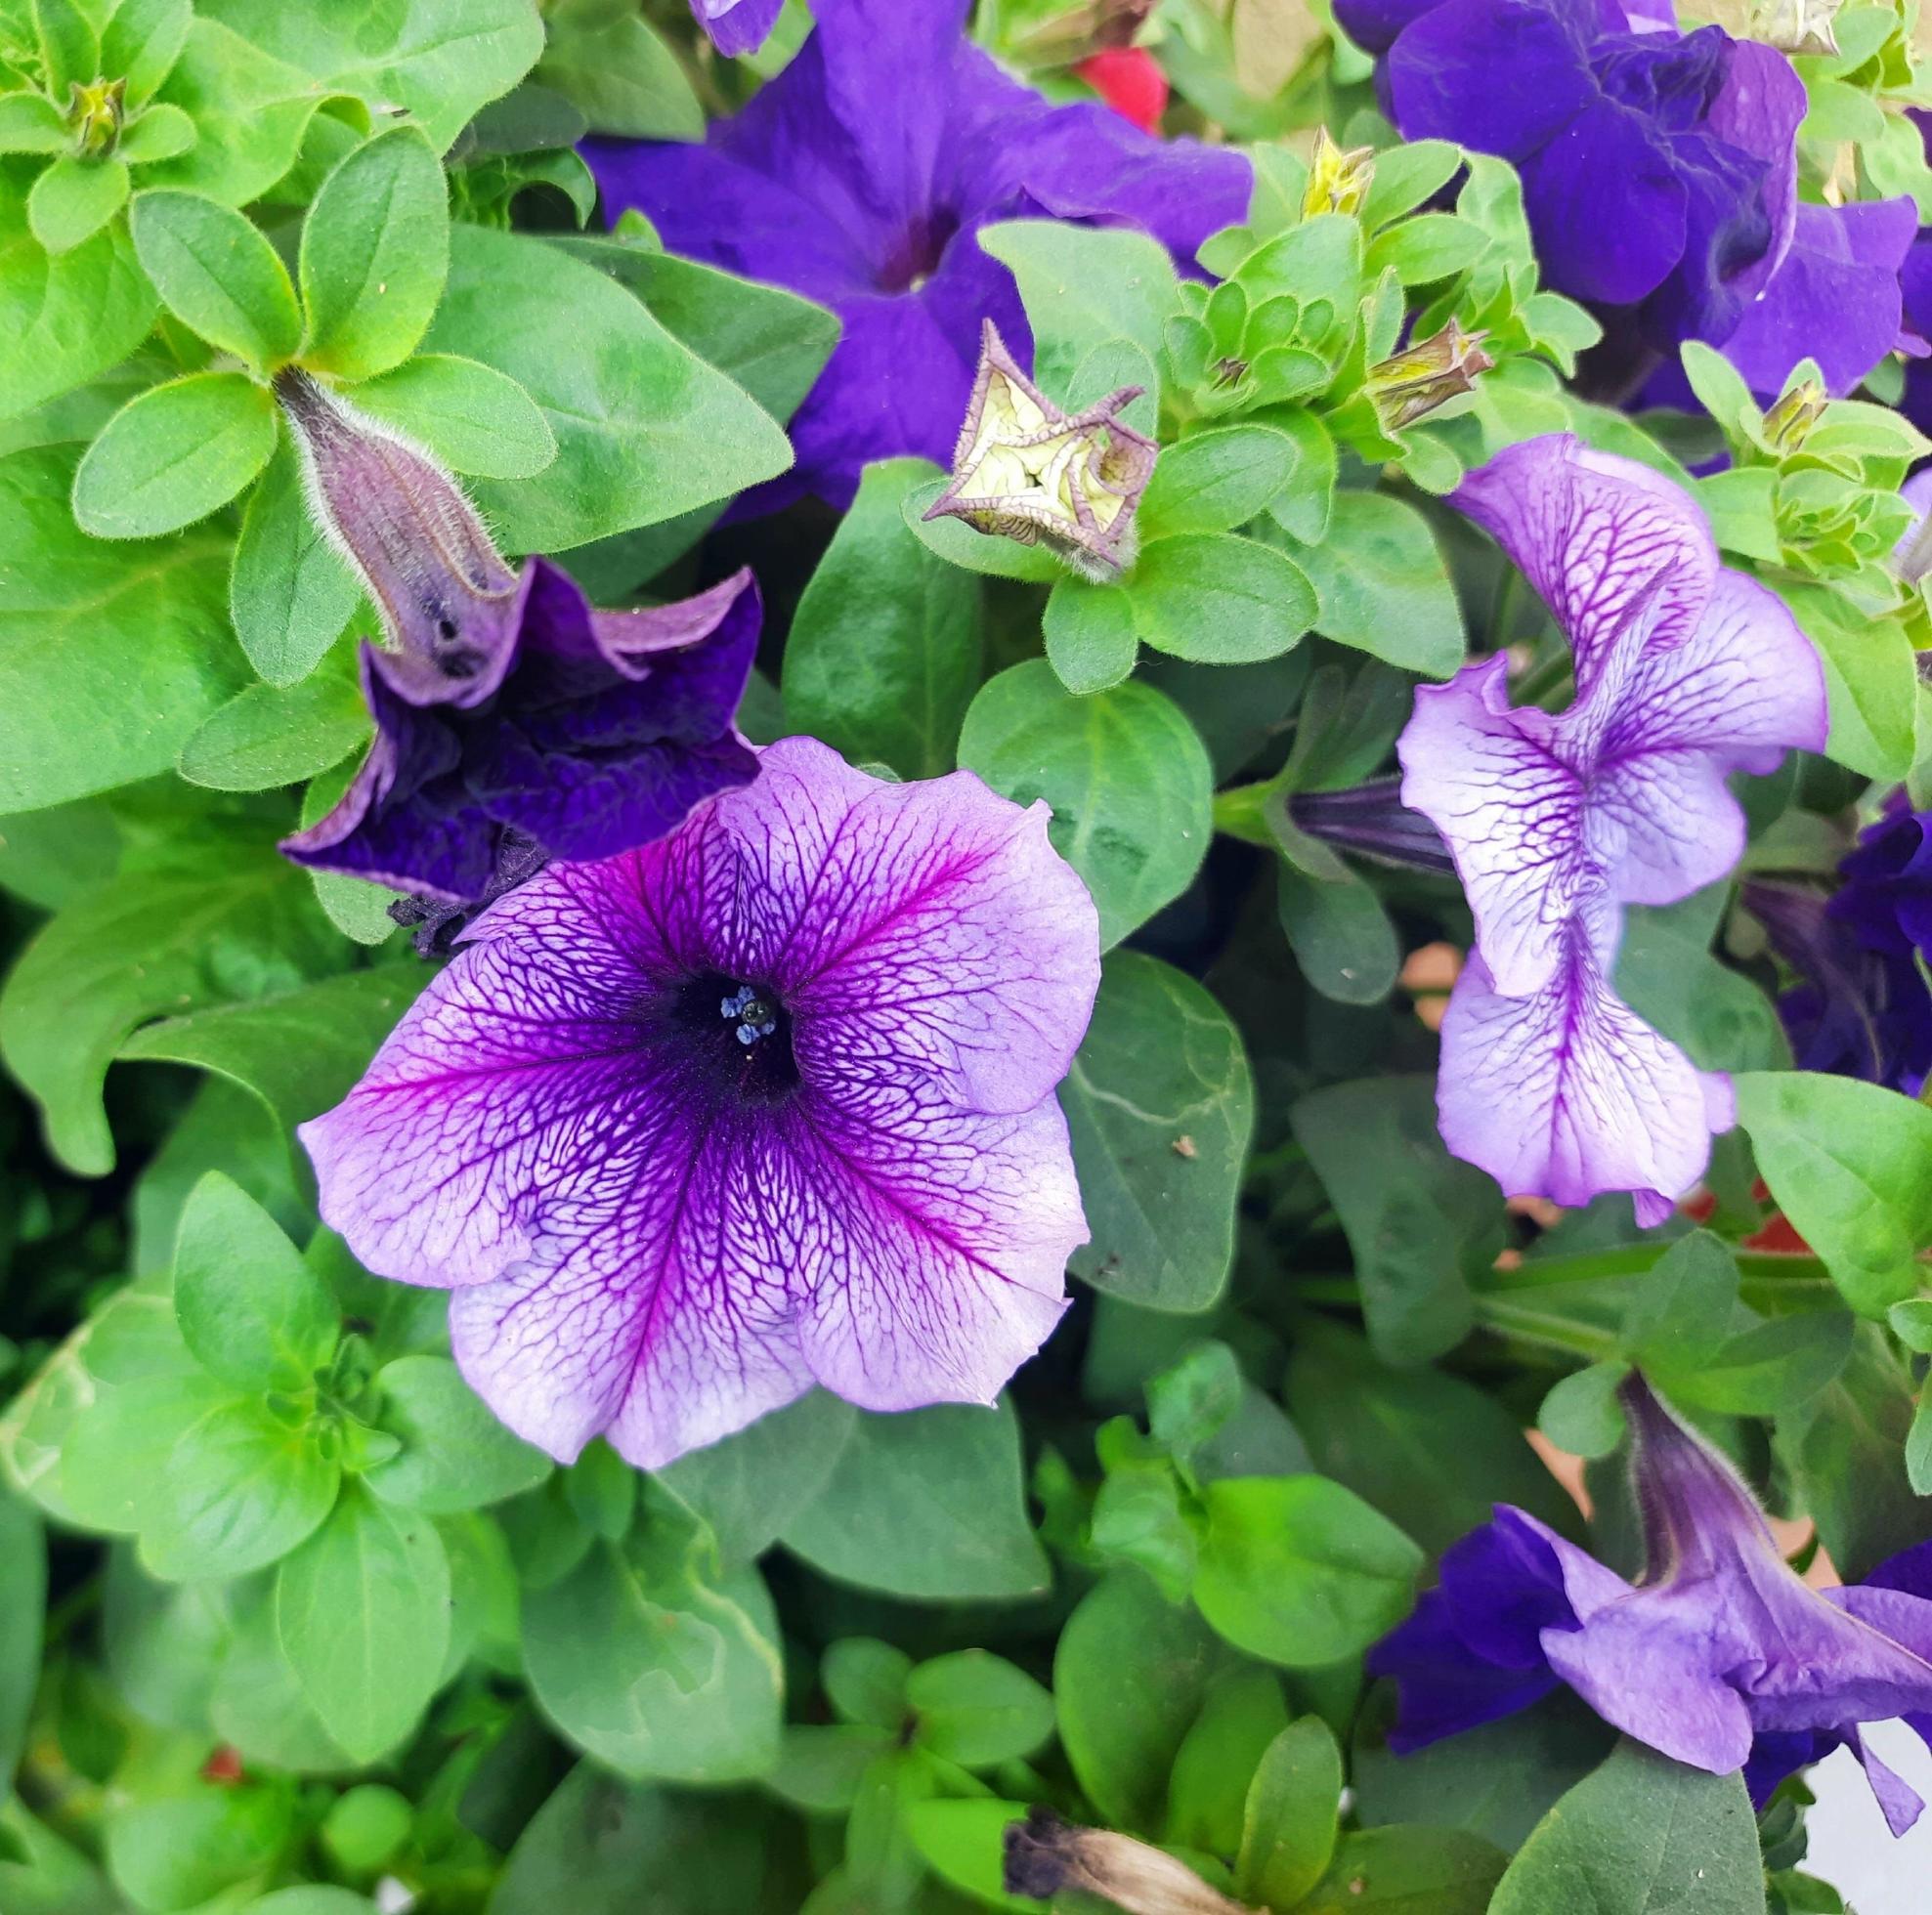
{"x": 1718, "y": 1655}
{"x": 1686, "y": 672}
{"x": 765, "y": 1103}
{"x": 513, "y": 722}
{"x": 860, "y": 178}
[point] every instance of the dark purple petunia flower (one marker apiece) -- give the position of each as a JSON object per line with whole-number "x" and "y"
{"x": 1717, "y": 1656}
{"x": 861, "y": 175}
{"x": 1686, "y": 672}
{"x": 1658, "y": 170}
{"x": 513, "y": 722}
{"x": 738, "y": 26}
{"x": 764, "y": 1104}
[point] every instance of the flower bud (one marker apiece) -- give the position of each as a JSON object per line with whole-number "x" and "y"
{"x": 1337, "y": 177}
{"x": 1044, "y": 1855}
{"x": 95, "y": 112}
{"x": 447, "y": 599}
{"x": 1027, "y": 470}
{"x": 1421, "y": 379}
{"x": 1789, "y": 423}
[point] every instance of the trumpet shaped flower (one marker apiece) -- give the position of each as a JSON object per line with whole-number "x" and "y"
{"x": 764, "y": 1104}
{"x": 1686, "y": 672}
{"x": 1718, "y": 1656}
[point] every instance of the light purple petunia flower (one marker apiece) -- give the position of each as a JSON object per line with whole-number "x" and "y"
{"x": 1686, "y": 672}
{"x": 861, "y": 177}
{"x": 738, "y": 26}
{"x": 764, "y": 1104}
{"x": 1720, "y": 1655}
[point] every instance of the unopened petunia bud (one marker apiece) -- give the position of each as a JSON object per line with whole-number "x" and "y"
{"x": 447, "y": 597}
{"x": 1045, "y": 1854}
{"x": 1025, "y": 470}
{"x": 95, "y": 112}
{"x": 1796, "y": 25}
{"x": 1789, "y": 423}
{"x": 1337, "y": 177}
{"x": 1421, "y": 379}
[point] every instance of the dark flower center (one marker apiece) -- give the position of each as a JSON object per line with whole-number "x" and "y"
{"x": 740, "y": 1035}
{"x": 913, "y": 257}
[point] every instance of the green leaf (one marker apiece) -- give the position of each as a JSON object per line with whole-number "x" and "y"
{"x": 253, "y": 1313}
{"x": 1850, "y": 1164}
{"x": 749, "y": 1485}
{"x": 1091, "y": 640}
{"x": 1412, "y": 1871}
{"x": 1430, "y": 246}
{"x": 23, "y": 1602}
{"x": 653, "y": 1665}
{"x": 963, "y": 1844}
{"x": 111, "y": 656}
{"x": 978, "y": 1710}
{"x": 289, "y": 593}
{"x": 1339, "y": 934}
{"x": 1304, "y": 509}
{"x": 1084, "y": 286}
{"x": 1298, "y": 1570}
{"x": 1128, "y": 779}
{"x": 1160, "y": 1106}
{"x": 179, "y": 1852}
{"x": 439, "y": 60}
{"x": 645, "y": 429}
{"x": 257, "y": 1702}
{"x": 375, "y": 252}
{"x": 474, "y": 418}
{"x": 363, "y": 1611}
{"x": 204, "y": 938}
{"x": 238, "y": 1491}
{"x": 270, "y": 735}
{"x": 1206, "y": 1798}
{"x": 141, "y": 43}
{"x": 1581, "y": 1412}
{"x": 218, "y": 276}
{"x": 1420, "y": 1223}
{"x": 865, "y": 1681}
{"x": 1870, "y": 677}
{"x": 1405, "y": 176}
{"x": 65, "y": 316}
{"x": 456, "y": 1455}
{"x": 1215, "y": 480}
{"x": 1219, "y": 600}
{"x": 248, "y": 113}
{"x": 1290, "y": 1830}
{"x": 30, "y": 123}
{"x": 1669, "y": 975}
{"x": 73, "y": 199}
{"x": 1642, "y": 1835}
{"x": 174, "y": 455}
{"x": 928, "y": 1505}
{"x": 69, "y": 52}
{"x": 1380, "y": 585}
{"x": 161, "y": 133}
{"x": 617, "y": 70}
{"x": 298, "y": 1051}
{"x": 883, "y": 655}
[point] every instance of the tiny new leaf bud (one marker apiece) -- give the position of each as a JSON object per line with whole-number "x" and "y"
{"x": 1044, "y": 1855}
{"x": 1025, "y": 470}
{"x": 1789, "y": 423}
{"x": 1337, "y": 177}
{"x": 95, "y": 112}
{"x": 1421, "y": 379}
{"x": 446, "y": 598}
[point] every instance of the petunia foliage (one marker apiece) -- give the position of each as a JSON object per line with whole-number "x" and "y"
{"x": 964, "y": 955}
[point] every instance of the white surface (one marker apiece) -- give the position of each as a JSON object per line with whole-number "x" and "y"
{"x": 1850, "y": 1846}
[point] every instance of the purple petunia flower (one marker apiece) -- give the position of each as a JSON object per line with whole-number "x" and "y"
{"x": 861, "y": 175}
{"x": 738, "y": 26}
{"x": 1686, "y": 672}
{"x": 513, "y": 722}
{"x": 1659, "y": 170}
{"x": 766, "y": 1103}
{"x": 1717, "y": 1656}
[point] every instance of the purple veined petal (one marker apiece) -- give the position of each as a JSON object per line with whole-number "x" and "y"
{"x": 1512, "y": 812}
{"x": 1566, "y": 1093}
{"x": 1373, "y": 25}
{"x": 1599, "y": 241}
{"x": 737, "y": 26}
{"x": 1601, "y": 538}
{"x": 1757, "y": 111}
{"x": 1899, "y": 1803}
{"x": 1441, "y": 1686}
{"x": 1442, "y": 68}
{"x": 1835, "y": 298}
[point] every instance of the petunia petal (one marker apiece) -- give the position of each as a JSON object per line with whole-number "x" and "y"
{"x": 737, "y": 26}
{"x": 1442, "y": 68}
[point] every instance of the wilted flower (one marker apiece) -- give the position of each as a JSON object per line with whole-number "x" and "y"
{"x": 861, "y": 177}
{"x": 513, "y": 722}
{"x": 1686, "y": 672}
{"x": 1717, "y": 1655}
{"x": 1044, "y": 1855}
{"x": 1339, "y": 178}
{"x": 1423, "y": 378}
{"x": 737, "y": 26}
{"x": 765, "y": 1103}
{"x": 1025, "y": 470}
{"x": 1796, "y": 25}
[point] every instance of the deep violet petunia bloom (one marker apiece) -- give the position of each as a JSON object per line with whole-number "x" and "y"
{"x": 738, "y": 26}
{"x": 1659, "y": 170}
{"x": 513, "y": 722}
{"x": 1686, "y": 672}
{"x": 1719, "y": 1652}
{"x": 764, "y": 1104}
{"x": 861, "y": 176}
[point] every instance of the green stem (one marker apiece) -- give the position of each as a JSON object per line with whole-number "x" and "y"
{"x": 1633, "y": 1259}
